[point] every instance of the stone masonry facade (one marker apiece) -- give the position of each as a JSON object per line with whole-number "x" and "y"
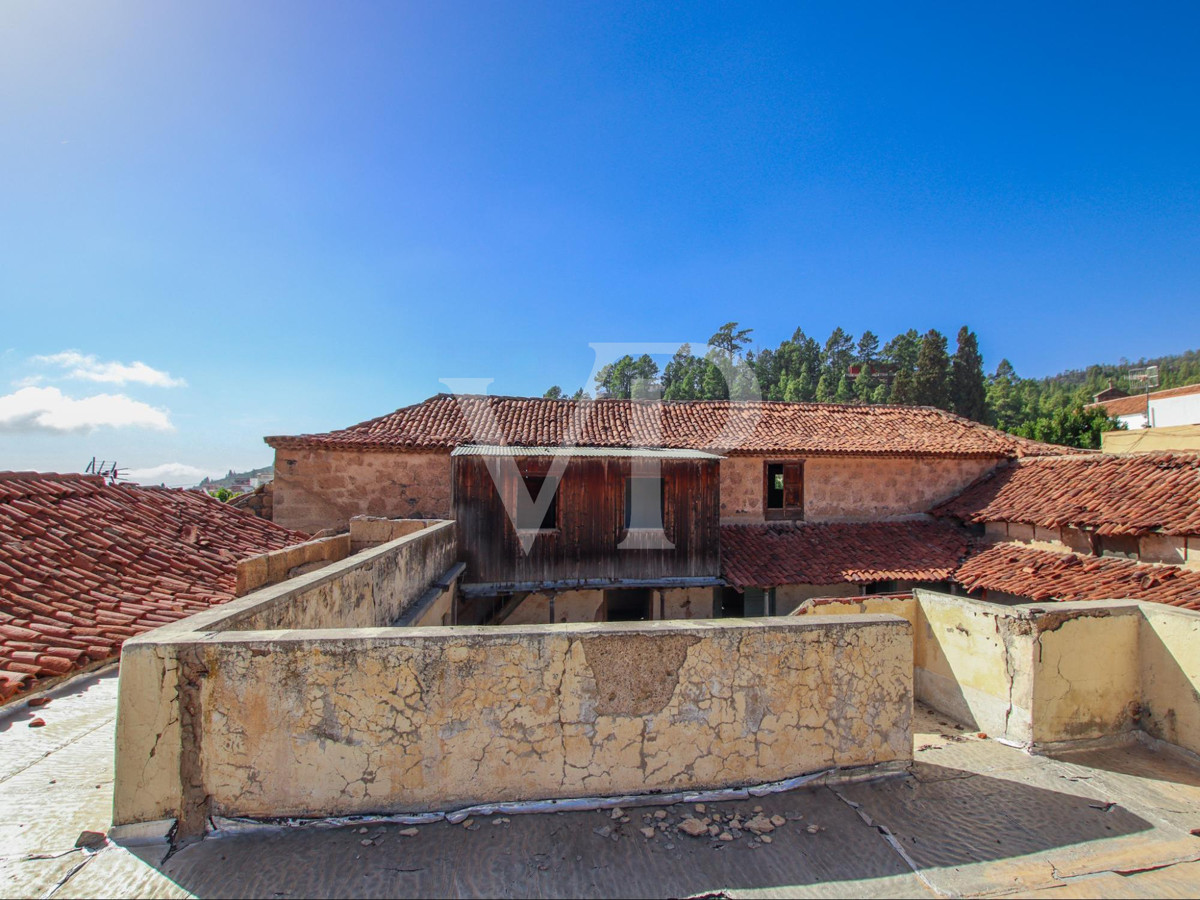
{"x": 318, "y": 489}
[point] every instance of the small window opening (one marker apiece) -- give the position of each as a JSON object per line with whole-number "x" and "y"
{"x": 1119, "y": 545}
{"x": 527, "y": 517}
{"x": 643, "y": 502}
{"x": 628, "y": 604}
{"x": 774, "y": 485}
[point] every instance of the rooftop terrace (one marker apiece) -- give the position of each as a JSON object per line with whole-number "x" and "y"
{"x": 969, "y": 817}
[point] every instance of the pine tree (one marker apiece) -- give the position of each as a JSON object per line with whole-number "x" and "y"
{"x": 882, "y": 393}
{"x": 806, "y": 385}
{"x": 554, "y": 393}
{"x": 931, "y": 380}
{"x": 845, "y": 390}
{"x": 825, "y": 388}
{"x": 730, "y": 339}
{"x": 868, "y": 349}
{"x": 903, "y": 390}
{"x": 968, "y": 395}
{"x": 865, "y": 386}
{"x": 712, "y": 385}
{"x": 839, "y": 354}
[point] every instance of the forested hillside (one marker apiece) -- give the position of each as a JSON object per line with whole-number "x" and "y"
{"x": 910, "y": 369}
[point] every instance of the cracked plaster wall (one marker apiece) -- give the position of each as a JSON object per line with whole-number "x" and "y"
{"x": 388, "y": 719}
{"x": 1051, "y": 673}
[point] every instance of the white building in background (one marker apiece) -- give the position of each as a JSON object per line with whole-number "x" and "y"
{"x": 1159, "y": 409}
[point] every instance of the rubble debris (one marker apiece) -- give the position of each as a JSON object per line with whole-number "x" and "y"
{"x": 760, "y": 824}
{"x": 693, "y": 827}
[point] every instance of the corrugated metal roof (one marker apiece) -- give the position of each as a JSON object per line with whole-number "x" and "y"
{"x": 621, "y": 452}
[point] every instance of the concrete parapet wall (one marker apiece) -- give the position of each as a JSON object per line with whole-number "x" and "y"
{"x": 384, "y": 720}
{"x": 369, "y": 589}
{"x": 371, "y": 531}
{"x": 258, "y": 571}
{"x": 1044, "y": 674}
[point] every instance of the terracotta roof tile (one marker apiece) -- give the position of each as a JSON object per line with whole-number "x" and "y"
{"x": 85, "y": 565}
{"x": 1046, "y": 575}
{"x": 1134, "y": 495}
{"x": 859, "y": 553}
{"x": 445, "y": 421}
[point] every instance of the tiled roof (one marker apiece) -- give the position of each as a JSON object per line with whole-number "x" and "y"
{"x": 444, "y": 421}
{"x": 1135, "y": 494}
{"x": 1047, "y": 575}
{"x": 1132, "y": 405}
{"x": 85, "y": 565}
{"x": 855, "y": 552}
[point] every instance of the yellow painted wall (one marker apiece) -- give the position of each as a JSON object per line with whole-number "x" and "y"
{"x": 1169, "y": 645}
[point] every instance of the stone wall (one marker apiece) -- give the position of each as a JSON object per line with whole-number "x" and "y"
{"x": 1175, "y": 550}
{"x": 318, "y": 489}
{"x": 390, "y": 720}
{"x": 846, "y": 489}
{"x": 260, "y": 501}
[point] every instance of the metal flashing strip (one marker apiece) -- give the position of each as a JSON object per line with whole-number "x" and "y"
{"x": 583, "y": 452}
{"x": 586, "y": 584}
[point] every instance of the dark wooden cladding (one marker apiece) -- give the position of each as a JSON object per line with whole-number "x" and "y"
{"x": 591, "y": 522}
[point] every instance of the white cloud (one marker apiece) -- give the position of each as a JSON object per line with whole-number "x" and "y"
{"x": 88, "y": 368}
{"x": 172, "y": 473}
{"x": 34, "y": 409}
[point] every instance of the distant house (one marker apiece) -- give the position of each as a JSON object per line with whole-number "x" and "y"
{"x": 1161, "y": 409}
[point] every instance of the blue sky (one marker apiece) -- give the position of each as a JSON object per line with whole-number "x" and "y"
{"x": 301, "y": 215}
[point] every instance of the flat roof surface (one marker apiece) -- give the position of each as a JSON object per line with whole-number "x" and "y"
{"x": 973, "y": 817}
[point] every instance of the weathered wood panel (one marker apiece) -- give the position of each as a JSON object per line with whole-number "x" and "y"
{"x": 591, "y": 522}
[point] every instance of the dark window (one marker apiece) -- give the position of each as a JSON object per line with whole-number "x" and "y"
{"x": 527, "y": 517}
{"x": 783, "y": 490}
{"x": 774, "y": 485}
{"x": 757, "y": 602}
{"x": 643, "y": 502}
{"x": 628, "y": 604}
{"x": 1124, "y": 546}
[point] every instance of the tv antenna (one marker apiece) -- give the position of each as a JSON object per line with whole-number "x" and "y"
{"x": 1145, "y": 378}
{"x": 104, "y": 469}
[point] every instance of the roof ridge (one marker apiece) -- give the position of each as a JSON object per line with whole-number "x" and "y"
{"x": 13, "y": 475}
